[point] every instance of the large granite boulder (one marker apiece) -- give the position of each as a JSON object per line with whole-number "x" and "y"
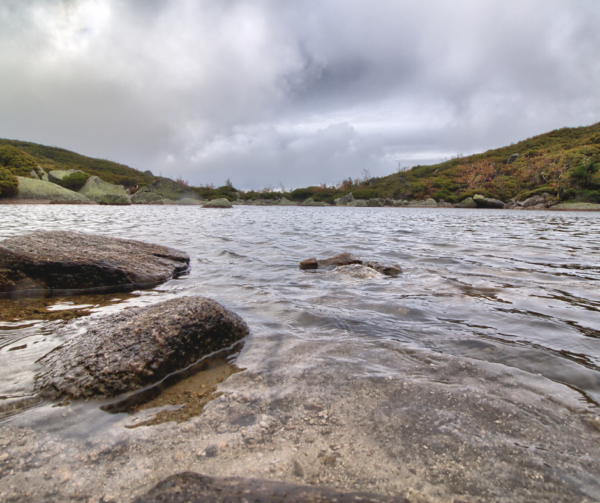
{"x": 346, "y": 259}
{"x": 70, "y": 262}
{"x": 360, "y": 203}
{"x": 344, "y": 200}
{"x": 144, "y": 196}
{"x": 285, "y": 202}
{"x": 488, "y": 202}
{"x": 170, "y": 189}
{"x": 469, "y": 202}
{"x": 191, "y": 487}
{"x": 134, "y": 348}
{"x": 311, "y": 202}
{"x": 44, "y": 191}
{"x": 218, "y": 203}
{"x": 427, "y": 203}
{"x": 375, "y": 202}
{"x": 103, "y": 192}
{"x": 533, "y": 201}
{"x": 57, "y": 175}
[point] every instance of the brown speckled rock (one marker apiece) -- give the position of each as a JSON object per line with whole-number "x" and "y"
{"x": 191, "y": 487}
{"x": 46, "y": 262}
{"x": 137, "y": 347}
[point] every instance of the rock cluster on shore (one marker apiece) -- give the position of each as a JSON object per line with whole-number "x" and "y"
{"x": 44, "y": 262}
{"x": 137, "y": 347}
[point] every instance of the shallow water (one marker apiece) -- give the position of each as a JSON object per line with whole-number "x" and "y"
{"x": 518, "y": 289}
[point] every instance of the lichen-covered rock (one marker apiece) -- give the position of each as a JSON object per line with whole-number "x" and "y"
{"x": 47, "y": 261}
{"x": 357, "y": 203}
{"x": 57, "y": 175}
{"x": 488, "y": 202}
{"x": 46, "y": 191}
{"x": 103, "y": 192}
{"x": 344, "y": 200}
{"x": 467, "y": 203}
{"x": 311, "y": 202}
{"x": 375, "y": 202}
{"x": 191, "y": 487}
{"x": 285, "y": 202}
{"x": 218, "y": 203}
{"x": 533, "y": 201}
{"x": 134, "y": 348}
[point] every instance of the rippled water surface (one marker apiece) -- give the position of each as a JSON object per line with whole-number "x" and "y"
{"x": 515, "y": 288}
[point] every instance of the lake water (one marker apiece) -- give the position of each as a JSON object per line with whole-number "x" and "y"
{"x": 516, "y": 292}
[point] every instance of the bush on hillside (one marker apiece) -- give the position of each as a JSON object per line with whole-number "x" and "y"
{"x": 74, "y": 181}
{"x": 16, "y": 161}
{"x": 9, "y": 185}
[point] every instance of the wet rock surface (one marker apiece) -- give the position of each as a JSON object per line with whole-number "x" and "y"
{"x": 138, "y": 347}
{"x": 43, "y": 262}
{"x": 345, "y": 259}
{"x": 189, "y": 487}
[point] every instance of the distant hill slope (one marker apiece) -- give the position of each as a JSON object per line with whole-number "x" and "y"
{"x": 51, "y": 158}
{"x": 564, "y": 162}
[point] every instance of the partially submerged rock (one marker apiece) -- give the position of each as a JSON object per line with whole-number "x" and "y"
{"x": 189, "y": 487}
{"x": 388, "y": 270}
{"x": 218, "y": 203}
{"x": 30, "y": 188}
{"x": 341, "y": 259}
{"x": 47, "y": 261}
{"x": 103, "y": 192}
{"x": 345, "y": 259}
{"x": 134, "y": 348}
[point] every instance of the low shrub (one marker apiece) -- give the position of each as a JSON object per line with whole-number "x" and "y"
{"x": 365, "y": 194}
{"x": 74, "y": 181}
{"x": 9, "y": 185}
{"x": 16, "y": 161}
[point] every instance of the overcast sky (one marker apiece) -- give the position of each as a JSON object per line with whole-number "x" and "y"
{"x": 298, "y": 92}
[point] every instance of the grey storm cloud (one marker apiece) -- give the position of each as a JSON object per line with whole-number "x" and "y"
{"x": 266, "y": 92}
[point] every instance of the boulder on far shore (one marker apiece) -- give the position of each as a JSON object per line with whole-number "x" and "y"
{"x": 134, "y": 348}
{"x": 218, "y": 203}
{"x": 469, "y": 202}
{"x": 144, "y": 196}
{"x": 30, "y": 188}
{"x": 57, "y": 175}
{"x": 361, "y": 203}
{"x": 170, "y": 189}
{"x": 285, "y": 202}
{"x": 103, "y": 192}
{"x": 311, "y": 202}
{"x": 45, "y": 262}
{"x": 186, "y": 201}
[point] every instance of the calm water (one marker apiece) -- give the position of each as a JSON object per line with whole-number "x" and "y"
{"x": 515, "y": 288}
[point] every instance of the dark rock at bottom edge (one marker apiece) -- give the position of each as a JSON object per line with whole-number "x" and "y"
{"x": 189, "y": 487}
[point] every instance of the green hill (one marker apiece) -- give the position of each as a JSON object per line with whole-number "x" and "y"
{"x": 20, "y": 157}
{"x": 564, "y": 162}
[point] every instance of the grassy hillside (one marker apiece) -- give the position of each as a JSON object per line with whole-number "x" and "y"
{"x": 32, "y": 155}
{"x": 564, "y": 162}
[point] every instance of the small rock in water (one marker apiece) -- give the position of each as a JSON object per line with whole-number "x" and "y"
{"x": 341, "y": 259}
{"x": 309, "y": 263}
{"x": 388, "y": 270}
{"x": 137, "y": 347}
{"x": 192, "y": 487}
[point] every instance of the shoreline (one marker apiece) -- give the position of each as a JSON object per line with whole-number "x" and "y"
{"x": 92, "y": 203}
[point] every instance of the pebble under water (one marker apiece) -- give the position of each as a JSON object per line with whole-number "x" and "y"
{"x": 473, "y": 375}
